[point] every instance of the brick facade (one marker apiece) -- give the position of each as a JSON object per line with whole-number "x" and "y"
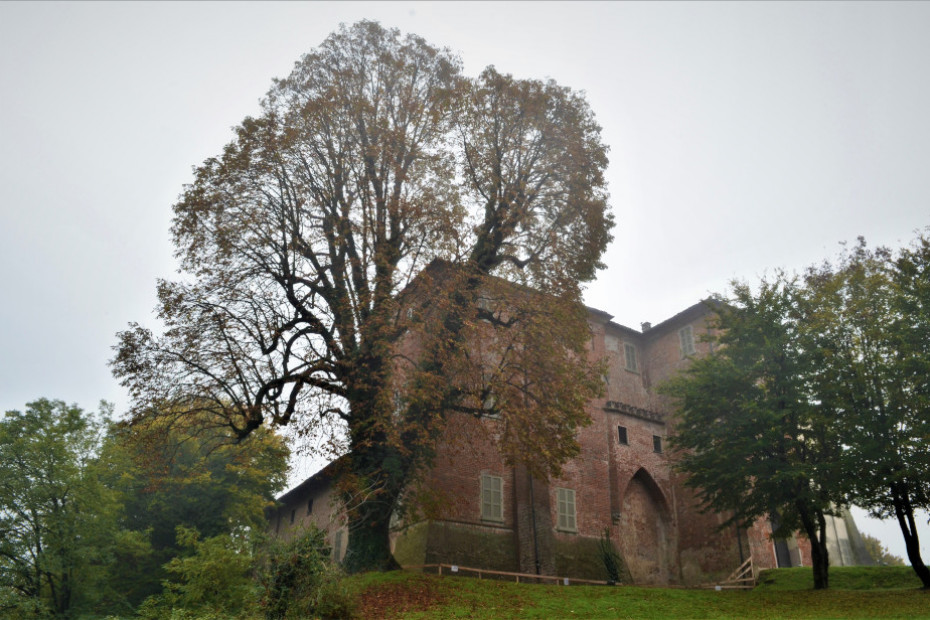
{"x": 622, "y": 480}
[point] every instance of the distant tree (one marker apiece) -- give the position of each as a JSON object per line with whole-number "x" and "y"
{"x": 192, "y": 476}
{"x": 751, "y": 438}
{"x": 57, "y": 521}
{"x": 878, "y": 552}
{"x": 869, "y": 328}
{"x": 306, "y": 241}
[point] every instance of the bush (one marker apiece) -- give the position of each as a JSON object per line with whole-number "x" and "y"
{"x": 613, "y": 563}
{"x": 300, "y": 581}
{"x": 213, "y": 582}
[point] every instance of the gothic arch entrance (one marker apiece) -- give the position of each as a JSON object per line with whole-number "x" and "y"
{"x": 644, "y": 531}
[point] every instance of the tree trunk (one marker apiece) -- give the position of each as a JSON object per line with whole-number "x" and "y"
{"x": 377, "y": 475}
{"x": 817, "y": 534}
{"x": 904, "y": 511}
{"x": 369, "y": 545}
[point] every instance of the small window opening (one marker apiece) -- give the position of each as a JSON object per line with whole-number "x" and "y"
{"x": 310, "y": 506}
{"x": 657, "y": 444}
{"x": 621, "y": 436}
{"x": 293, "y": 516}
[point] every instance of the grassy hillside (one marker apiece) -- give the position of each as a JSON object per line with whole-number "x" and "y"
{"x": 887, "y": 592}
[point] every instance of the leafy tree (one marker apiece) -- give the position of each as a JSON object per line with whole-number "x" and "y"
{"x": 878, "y": 552}
{"x": 753, "y": 440}
{"x": 212, "y": 581}
{"x": 189, "y": 476}
{"x": 340, "y": 254}
{"x": 870, "y": 337}
{"x": 57, "y": 521}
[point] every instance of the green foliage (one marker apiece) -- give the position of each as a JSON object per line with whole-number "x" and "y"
{"x": 215, "y": 580}
{"x": 878, "y": 552}
{"x": 613, "y": 563}
{"x": 300, "y": 581}
{"x": 868, "y": 327}
{"x": 819, "y": 394}
{"x": 181, "y": 475}
{"x": 57, "y": 521}
{"x": 753, "y": 440}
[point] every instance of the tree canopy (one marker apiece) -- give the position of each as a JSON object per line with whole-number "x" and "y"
{"x": 181, "y": 474}
{"x": 817, "y": 397}
{"x": 57, "y": 520}
{"x": 868, "y": 320}
{"x": 375, "y": 159}
{"x": 753, "y": 442}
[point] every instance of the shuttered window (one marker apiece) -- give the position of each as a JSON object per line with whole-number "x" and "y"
{"x": 492, "y": 498}
{"x": 629, "y": 354}
{"x": 686, "y": 340}
{"x": 565, "y": 499}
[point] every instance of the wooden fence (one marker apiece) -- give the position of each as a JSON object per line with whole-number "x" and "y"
{"x": 454, "y": 569}
{"x": 740, "y": 579}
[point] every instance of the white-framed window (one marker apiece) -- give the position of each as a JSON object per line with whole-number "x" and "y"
{"x": 492, "y": 498}
{"x": 565, "y": 509}
{"x": 629, "y": 357}
{"x": 686, "y": 340}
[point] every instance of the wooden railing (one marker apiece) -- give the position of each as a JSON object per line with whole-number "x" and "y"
{"x": 741, "y": 579}
{"x": 454, "y": 569}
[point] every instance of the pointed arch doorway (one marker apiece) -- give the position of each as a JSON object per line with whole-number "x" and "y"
{"x": 644, "y": 531}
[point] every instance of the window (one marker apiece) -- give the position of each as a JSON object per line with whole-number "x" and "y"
{"x": 565, "y": 500}
{"x": 492, "y": 498}
{"x": 657, "y": 444}
{"x": 629, "y": 354}
{"x": 310, "y": 506}
{"x": 621, "y": 436}
{"x": 686, "y": 340}
{"x": 612, "y": 344}
{"x": 293, "y": 515}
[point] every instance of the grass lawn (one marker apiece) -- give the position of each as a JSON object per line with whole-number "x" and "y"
{"x": 856, "y": 592}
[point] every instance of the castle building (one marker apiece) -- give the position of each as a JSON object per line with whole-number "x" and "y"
{"x": 498, "y": 517}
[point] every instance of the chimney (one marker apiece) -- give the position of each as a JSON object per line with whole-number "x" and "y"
{"x": 646, "y": 326}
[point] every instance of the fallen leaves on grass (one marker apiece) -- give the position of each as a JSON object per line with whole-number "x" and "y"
{"x": 395, "y": 600}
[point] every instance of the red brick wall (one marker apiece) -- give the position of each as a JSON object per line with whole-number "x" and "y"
{"x": 654, "y": 519}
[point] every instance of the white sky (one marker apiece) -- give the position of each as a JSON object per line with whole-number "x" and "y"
{"x": 744, "y": 137}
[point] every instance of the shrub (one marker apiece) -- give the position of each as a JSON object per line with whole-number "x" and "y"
{"x": 613, "y": 563}
{"x": 299, "y": 580}
{"x": 214, "y": 581}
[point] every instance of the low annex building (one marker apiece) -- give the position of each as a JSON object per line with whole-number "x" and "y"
{"x": 498, "y": 517}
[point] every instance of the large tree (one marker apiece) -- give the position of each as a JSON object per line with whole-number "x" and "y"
{"x": 752, "y": 439}
{"x": 869, "y": 332}
{"x": 382, "y": 194}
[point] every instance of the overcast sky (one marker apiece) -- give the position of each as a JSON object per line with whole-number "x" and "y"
{"x": 744, "y": 137}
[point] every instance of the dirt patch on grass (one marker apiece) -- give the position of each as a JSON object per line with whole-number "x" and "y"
{"x": 396, "y": 600}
